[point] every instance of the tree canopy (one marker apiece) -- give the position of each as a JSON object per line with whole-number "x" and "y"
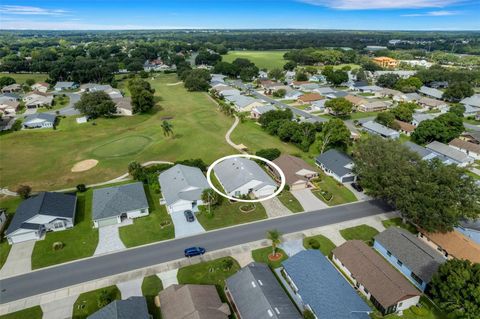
{"x": 96, "y": 104}
{"x": 339, "y": 106}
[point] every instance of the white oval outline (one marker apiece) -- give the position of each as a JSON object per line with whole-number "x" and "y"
{"x": 279, "y": 190}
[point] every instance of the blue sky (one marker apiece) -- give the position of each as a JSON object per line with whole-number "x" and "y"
{"x": 241, "y": 14}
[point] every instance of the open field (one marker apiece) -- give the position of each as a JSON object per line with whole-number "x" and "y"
{"x": 262, "y": 59}
{"x": 43, "y": 158}
{"x": 22, "y": 77}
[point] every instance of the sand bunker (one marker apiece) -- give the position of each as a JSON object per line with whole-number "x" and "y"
{"x": 84, "y": 165}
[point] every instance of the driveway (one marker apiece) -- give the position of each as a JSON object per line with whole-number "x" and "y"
{"x": 275, "y": 208}
{"x": 59, "y": 309}
{"x": 131, "y": 288}
{"x": 308, "y": 200}
{"x": 168, "y": 277}
{"x": 69, "y": 109}
{"x": 292, "y": 247}
{"x": 184, "y": 228}
{"x": 109, "y": 238}
{"x": 358, "y": 195}
{"x": 19, "y": 260}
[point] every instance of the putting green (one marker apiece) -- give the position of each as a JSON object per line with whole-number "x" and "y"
{"x": 128, "y": 145}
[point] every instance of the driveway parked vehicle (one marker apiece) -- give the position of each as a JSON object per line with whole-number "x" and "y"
{"x": 189, "y": 216}
{"x": 357, "y": 187}
{"x": 194, "y": 251}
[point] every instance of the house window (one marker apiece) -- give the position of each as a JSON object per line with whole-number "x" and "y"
{"x": 57, "y": 225}
{"x": 399, "y": 263}
{"x": 365, "y": 289}
{"x": 389, "y": 254}
{"x": 416, "y": 278}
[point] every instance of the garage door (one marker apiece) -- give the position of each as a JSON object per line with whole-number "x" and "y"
{"x": 24, "y": 237}
{"x": 107, "y": 222}
{"x": 348, "y": 179}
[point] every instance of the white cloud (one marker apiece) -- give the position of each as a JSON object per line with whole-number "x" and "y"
{"x": 27, "y": 10}
{"x": 440, "y": 13}
{"x": 381, "y": 4}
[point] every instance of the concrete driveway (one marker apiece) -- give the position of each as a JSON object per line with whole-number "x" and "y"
{"x": 131, "y": 288}
{"x": 19, "y": 260}
{"x": 59, "y": 309}
{"x": 308, "y": 200}
{"x": 275, "y": 208}
{"x": 358, "y": 195}
{"x": 109, "y": 238}
{"x": 184, "y": 228}
{"x": 292, "y": 247}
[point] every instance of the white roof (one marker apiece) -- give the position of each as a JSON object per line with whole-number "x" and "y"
{"x": 473, "y": 100}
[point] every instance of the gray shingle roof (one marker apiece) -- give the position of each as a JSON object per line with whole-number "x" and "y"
{"x": 335, "y": 161}
{"x": 265, "y": 108}
{"x": 113, "y": 201}
{"x": 131, "y": 308}
{"x": 255, "y": 290}
{"x": 449, "y": 152}
{"x": 64, "y": 84}
{"x": 379, "y": 128}
{"x": 431, "y": 92}
{"x": 323, "y": 288}
{"x": 45, "y": 203}
{"x": 182, "y": 182}
{"x": 411, "y": 251}
{"x": 473, "y": 100}
{"x": 242, "y": 101}
{"x": 235, "y": 172}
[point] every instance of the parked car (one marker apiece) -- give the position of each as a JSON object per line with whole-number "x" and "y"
{"x": 189, "y": 216}
{"x": 194, "y": 251}
{"x": 357, "y": 187}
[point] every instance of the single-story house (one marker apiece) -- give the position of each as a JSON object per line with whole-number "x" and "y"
{"x": 298, "y": 173}
{"x": 426, "y": 154}
{"x": 255, "y": 293}
{"x": 124, "y": 106}
{"x": 112, "y": 205}
{"x": 192, "y": 301}
{"x": 40, "y": 87}
{"x": 374, "y": 106}
{"x": 94, "y": 87}
{"x": 379, "y": 129}
{"x": 308, "y": 87}
{"x": 290, "y": 75}
{"x": 368, "y": 88}
{"x": 336, "y": 94}
{"x": 47, "y": 211}
{"x": 456, "y": 157}
{"x": 420, "y": 117}
{"x": 60, "y": 86}
{"x": 404, "y": 74}
{"x": 431, "y": 92}
{"x": 37, "y": 99}
{"x": 439, "y": 84}
{"x": 324, "y": 90}
{"x": 318, "y": 106}
{"x": 316, "y": 78}
{"x": 244, "y": 103}
{"x": 296, "y": 84}
{"x": 410, "y": 255}
{"x": 13, "y": 97}
{"x": 133, "y": 307}
{"x": 39, "y": 120}
{"x": 262, "y": 75}
{"x": 257, "y": 111}
{"x": 356, "y": 100}
{"x": 471, "y": 149}
{"x": 430, "y": 103}
{"x": 375, "y": 278}
{"x": 472, "y": 137}
{"x": 9, "y": 107}
{"x": 471, "y": 111}
{"x": 472, "y": 105}
{"x": 405, "y": 128}
{"x": 390, "y": 93}
{"x": 411, "y": 97}
{"x": 470, "y": 228}
{"x": 269, "y": 85}
{"x": 225, "y": 90}
{"x": 452, "y": 245}
{"x": 12, "y": 88}
{"x": 240, "y": 176}
{"x": 182, "y": 187}
{"x": 291, "y": 94}
{"x": 321, "y": 288}
{"x": 337, "y": 164}
{"x": 309, "y": 98}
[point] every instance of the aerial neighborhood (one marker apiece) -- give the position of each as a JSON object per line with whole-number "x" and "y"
{"x": 249, "y": 174}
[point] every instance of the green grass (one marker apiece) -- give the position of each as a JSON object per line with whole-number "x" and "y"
{"x": 79, "y": 241}
{"x": 290, "y": 202}
{"x": 151, "y": 286}
{"x": 473, "y": 175}
{"x": 326, "y": 245}
{"x": 29, "y": 313}
{"x": 148, "y": 229}
{"x": 87, "y": 303}
{"x": 430, "y": 312}
{"x": 397, "y": 222}
{"x": 361, "y": 115}
{"x": 10, "y": 204}
{"x": 59, "y": 101}
{"x": 341, "y": 194}
{"x": 229, "y": 214}
{"x": 262, "y": 59}
{"x": 471, "y": 121}
{"x": 129, "y": 145}
{"x": 22, "y": 77}
{"x": 44, "y": 158}
{"x": 208, "y": 273}
{"x": 361, "y": 232}
{"x": 261, "y": 255}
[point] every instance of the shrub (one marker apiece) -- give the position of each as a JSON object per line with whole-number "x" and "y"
{"x": 58, "y": 245}
{"x": 17, "y": 125}
{"x": 227, "y": 264}
{"x": 81, "y": 188}
{"x": 24, "y": 191}
{"x": 103, "y": 298}
{"x": 313, "y": 243}
{"x": 307, "y": 314}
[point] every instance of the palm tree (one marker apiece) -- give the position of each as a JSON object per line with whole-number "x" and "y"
{"x": 167, "y": 128}
{"x": 276, "y": 237}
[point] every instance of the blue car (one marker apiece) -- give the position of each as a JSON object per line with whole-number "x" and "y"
{"x": 194, "y": 251}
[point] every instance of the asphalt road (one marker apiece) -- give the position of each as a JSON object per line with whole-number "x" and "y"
{"x": 65, "y": 275}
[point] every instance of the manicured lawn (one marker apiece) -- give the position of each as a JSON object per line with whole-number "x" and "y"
{"x": 326, "y": 245}
{"x": 471, "y": 121}
{"x": 208, "y": 273}
{"x": 58, "y": 102}
{"x": 44, "y": 158}
{"x": 261, "y": 255}
{"x": 149, "y": 229}
{"x": 229, "y": 214}
{"x": 151, "y": 286}
{"x": 361, "y": 115}
{"x": 79, "y": 242}
{"x": 10, "y": 204}
{"x": 22, "y": 77}
{"x": 341, "y": 194}
{"x": 262, "y": 59}
{"x": 426, "y": 310}
{"x": 397, "y": 222}
{"x": 29, "y": 313}
{"x": 290, "y": 202}
{"x": 361, "y": 232}
{"x": 87, "y": 303}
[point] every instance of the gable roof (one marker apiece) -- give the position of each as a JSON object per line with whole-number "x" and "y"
{"x": 404, "y": 126}
{"x": 64, "y": 84}
{"x": 123, "y": 103}
{"x": 335, "y": 161}
{"x": 182, "y": 182}
{"x": 242, "y": 101}
{"x": 256, "y": 292}
{"x": 238, "y": 171}
{"x": 291, "y": 167}
{"x": 464, "y": 145}
{"x": 457, "y": 245}
{"x": 113, "y": 201}
{"x": 431, "y": 92}
{"x": 133, "y": 307}
{"x": 310, "y": 97}
{"x": 355, "y": 100}
{"x": 323, "y": 288}
{"x": 411, "y": 251}
{"x": 379, "y": 128}
{"x": 431, "y": 102}
{"x": 473, "y": 100}
{"x": 192, "y": 301}
{"x": 264, "y": 108}
{"x": 384, "y": 282}
{"x": 45, "y": 203}
{"x": 420, "y": 117}
{"x": 449, "y": 152}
